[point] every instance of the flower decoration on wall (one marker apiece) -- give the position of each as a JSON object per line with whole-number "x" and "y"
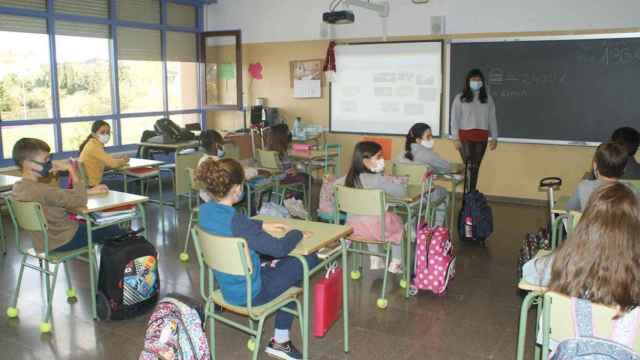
{"x": 255, "y": 70}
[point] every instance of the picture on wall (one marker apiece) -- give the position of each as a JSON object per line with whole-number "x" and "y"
{"x": 306, "y": 78}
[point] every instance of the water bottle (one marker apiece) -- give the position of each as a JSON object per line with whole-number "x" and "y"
{"x": 296, "y": 127}
{"x": 468, "y": 227}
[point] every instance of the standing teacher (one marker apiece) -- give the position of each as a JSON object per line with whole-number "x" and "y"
{"x": 473, "y": 122}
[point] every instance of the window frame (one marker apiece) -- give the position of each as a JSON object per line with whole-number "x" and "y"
{"x": 237, "y": 34}
{"x": 116, "y": 115}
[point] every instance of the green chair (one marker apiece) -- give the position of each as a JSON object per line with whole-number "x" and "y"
{"x": 558, "y": 321}
{"x": 270, "y": 161}
{"x": 182, "y": 182}
{"x": 535, "y": 293}
{"x": 416, "y": 177}
{"x": 368, "y": 202}
{"x": 633, "y": 183}
{"x": 231, "y": 256}
{"x": 193, "y": 210}
{"x": 28, "y": 216}
{"x": 329, "y": 161}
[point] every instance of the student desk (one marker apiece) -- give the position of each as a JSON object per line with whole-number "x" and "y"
{"x": 98, "y": 203}
{"x": 322, "y": 235}
{"x": 306, "y": 158}
{"x": 7, "y": 181}
{"x": 413, "y": 198}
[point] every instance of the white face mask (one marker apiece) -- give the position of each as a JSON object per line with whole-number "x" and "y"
{"x": 104, "y": 138}
{"x": 378, "y": 166}
{"x": 427, "y": 143}
{"x": 475, "y": 85}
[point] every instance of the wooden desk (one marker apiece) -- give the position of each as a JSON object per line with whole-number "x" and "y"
{"x": 98, "y": 203}
{"x": 136, "y": 163}
{"x": 175, "y": 147}
{"x": 307, "y": 158}
{"x": 322, "y": 235}
{"x": 7, "y": 181}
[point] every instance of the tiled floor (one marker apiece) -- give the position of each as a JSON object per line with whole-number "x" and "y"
{"x": 476, "y": 319}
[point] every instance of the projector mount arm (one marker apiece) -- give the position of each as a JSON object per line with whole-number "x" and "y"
{"x": 382, "y": 8}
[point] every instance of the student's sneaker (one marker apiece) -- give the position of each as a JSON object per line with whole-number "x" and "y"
{"x": 395, "y": 267}
{"x": 284, "y": 351}
{"x": 376, "y": 263}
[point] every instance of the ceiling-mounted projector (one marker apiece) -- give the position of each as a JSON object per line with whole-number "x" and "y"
{"x": 347, "y": 16}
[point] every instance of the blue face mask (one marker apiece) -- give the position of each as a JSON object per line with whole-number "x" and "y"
{"x": 46, "y": 168}
{"x": 220, "y": 153}
{"x": 475, "y": 85}
{"x": 241, "y": 195}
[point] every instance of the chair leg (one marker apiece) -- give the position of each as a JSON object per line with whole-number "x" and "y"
{"x": 184, "y": 255}
{"x": 522, "y": 325}
{"x": 256, "y": 347}
{"x": 382, "y": 301}
{"x": 301, "y": 322}
{"x": 50, "y": 283}
{"x": 71, "y": 291}
{"x": 12, "y": 311}
{"x": 212, "y": 329}
{"x": 3, "y": 240}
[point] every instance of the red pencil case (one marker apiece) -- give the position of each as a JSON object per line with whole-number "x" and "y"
{"x": 301, "y": 147}
{"x": 327, "y": 301}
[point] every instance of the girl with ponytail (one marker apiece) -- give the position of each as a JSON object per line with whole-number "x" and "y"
{"x": 93, "y": 155}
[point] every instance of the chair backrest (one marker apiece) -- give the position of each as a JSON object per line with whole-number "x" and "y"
{"x": 27, "y": 215}
{"x": 191, "y": 179}
{"x": 360, "y": 201}
{"x": 415, "y": 172}
{"x": 184, "y": 161}
{"x": 228, "y": 255}
{"x": 231, "y": 151}
{"x": 328, "y": 149}
{"x": 83, "y": 172}
{"x": 269, "y": 159}
{"x": 562, "y": 325}
{"x": 574, "y": 219}
{"x": 633, "y": 183}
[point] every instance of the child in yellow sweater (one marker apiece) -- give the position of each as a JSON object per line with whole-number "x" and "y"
{"x": 93, "y": 155}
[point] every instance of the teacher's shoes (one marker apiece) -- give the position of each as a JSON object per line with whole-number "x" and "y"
{"x": 285, "y": 351}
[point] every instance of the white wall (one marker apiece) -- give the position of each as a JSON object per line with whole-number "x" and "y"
{"x": 291, "y": 20}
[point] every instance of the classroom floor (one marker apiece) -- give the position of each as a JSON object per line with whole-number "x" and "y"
{"x": 476, "y": 319}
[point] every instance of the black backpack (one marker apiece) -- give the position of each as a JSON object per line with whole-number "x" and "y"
{"x": 129, "y": 281}
{"x": 475, "y": 221}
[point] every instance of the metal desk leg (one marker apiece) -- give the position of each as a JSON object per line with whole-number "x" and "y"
{"x": 345, "y": 295}
{"x": 452, "y": 204}
{"x": 160, "y": 196}
{"x": 407, "y": 263}
{"x": 522, "y": 328}
{"x": 305, "y": 307}
{"x": 92, "y": 268}
{"x": 124, "y": 185}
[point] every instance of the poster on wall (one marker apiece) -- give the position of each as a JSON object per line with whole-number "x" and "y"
{"x": 306, "y": 78}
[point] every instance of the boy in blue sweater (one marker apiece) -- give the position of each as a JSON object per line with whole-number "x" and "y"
{"x": 224, "y": 181}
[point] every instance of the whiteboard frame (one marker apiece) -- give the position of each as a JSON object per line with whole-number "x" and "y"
{"x": 443, "y": 101}
{"x": 515, "y": 38}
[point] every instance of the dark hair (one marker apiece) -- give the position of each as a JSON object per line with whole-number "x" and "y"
{"x": 279, "y": 138}
{"x": 363, "y": 150}
{"x": 94, "y": 129}
{"x": 610, "y": 159}
{"x": 26, "y": 148}
{"x": 211, "y": 141}
{"x": 416, "y": 132}
{"x": 629, "y": 137}
{"x": 219, "y": 177}
{"x": 467, "y": 93}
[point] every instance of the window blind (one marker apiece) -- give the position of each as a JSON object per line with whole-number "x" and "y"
{"x": 82, "y": 29}
{"x": 25, "y": 4}
{"x": 147, "y": 11}
{"x": 181, "y": 15}
{"x": 95, "y": 8}
{"x": 138, "y": 44}
{"x": 181, "y": 47}
{"x": 23, "y": 24}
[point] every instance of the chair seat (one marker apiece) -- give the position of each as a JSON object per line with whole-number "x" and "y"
{"x": 144, "y": 172}
{"x": 542, "y": 253}
{"x": 361, "y": 239}
{"x": 258, "y": 311}
{"x": 58, "y": 256}
{"x": 326, "y": 252}
{"x": 523, "y": 285}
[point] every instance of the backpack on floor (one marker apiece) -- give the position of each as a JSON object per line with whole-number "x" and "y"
{"x": 531, "y": 244}
{"x": 175, "y": 331}
{"x": 475, "y": 221}
{"x": 586, "y": 346}
{"x": 128, "y": 282}
{"x": 435, "y": 263}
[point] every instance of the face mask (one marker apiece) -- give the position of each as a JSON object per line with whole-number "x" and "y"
{"x": 378, "y": 166}
{"x": 427, "y": 143}
{"x": 240, "y": 195}
{"x": 104, "y": 138}
{"x": 220, "y": 153}
{"x": 46, "y": 168}
{"x": 475, "y": 85}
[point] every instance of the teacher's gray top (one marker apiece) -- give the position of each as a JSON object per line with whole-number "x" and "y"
{"x": 474, "y": 115}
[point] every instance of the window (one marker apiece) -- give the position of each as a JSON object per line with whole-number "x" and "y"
{"x": 25, "y": 77}
{"x": 181, "y": 15}
{"x": 25, "y": 4}
{"x": 95, "y": 8}
{"x": 184, "y": 119}
{"x": 73, "y": 134}
{"x": 135, "y": 126}
{"x": 147, "y": 11}
{"x": 11, "y": 135}
{"x": 84, "y": 79}
{"x": 139, "y": 70}
{"x": 182, "y": 71}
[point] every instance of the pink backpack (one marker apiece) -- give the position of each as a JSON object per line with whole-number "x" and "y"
{"x": 435, "y": 262}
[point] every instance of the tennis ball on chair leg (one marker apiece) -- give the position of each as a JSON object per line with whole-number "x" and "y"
{"x": 184, "y": 257}
{"x": 12, "y": 312}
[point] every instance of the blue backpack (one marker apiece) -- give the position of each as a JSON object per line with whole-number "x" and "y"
{"x": 475, "y": 221}
{"x": 588, "y": 347}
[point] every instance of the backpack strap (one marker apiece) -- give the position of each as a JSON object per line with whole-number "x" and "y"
{"x": 583, "y": 317}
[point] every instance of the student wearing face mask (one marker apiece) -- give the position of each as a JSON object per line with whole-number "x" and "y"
{"x": 419, "y": 150}
{"x": 367, "y": 172}
{"x": 93, "y": 155}
{"x": 473, "y": 122}
{"x": 33, "y": 158}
